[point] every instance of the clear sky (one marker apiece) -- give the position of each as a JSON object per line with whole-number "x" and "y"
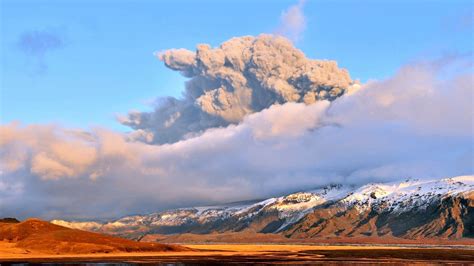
{"x": 103, "y": 62}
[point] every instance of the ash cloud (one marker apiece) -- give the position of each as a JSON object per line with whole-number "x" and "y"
{"x": 242, "y": 76}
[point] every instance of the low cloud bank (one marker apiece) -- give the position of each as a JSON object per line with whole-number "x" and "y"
{"x": 417, "y": 123}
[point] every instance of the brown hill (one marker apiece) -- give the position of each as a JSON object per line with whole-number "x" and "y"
{"x": 38, "y": 235}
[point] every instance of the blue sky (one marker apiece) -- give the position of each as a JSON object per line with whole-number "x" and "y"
{"x": 104, "y": 64}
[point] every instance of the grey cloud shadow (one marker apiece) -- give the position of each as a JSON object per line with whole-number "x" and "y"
{"x": 37, "y": 44}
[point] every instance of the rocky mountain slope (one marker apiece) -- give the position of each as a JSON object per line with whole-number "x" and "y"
{"x": 413, "y": 209}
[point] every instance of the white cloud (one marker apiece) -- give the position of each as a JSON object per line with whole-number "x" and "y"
{"x": 293, "y": 22}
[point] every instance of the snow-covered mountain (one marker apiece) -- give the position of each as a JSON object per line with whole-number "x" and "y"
{"x": 410, "y": 209}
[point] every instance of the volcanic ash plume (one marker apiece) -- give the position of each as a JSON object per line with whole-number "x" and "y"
{"x": 242, "y": 76}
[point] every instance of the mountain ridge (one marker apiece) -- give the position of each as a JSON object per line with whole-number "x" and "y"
{"x": 412, "y": 209}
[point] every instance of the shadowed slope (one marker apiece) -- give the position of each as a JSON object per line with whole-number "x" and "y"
{"x": 9, "y": 220}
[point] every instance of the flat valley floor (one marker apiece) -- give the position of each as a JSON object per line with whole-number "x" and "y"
{"x": 258, "y": 254}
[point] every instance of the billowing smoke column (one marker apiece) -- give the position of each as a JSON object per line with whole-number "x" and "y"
{"x": 242, "y": 76}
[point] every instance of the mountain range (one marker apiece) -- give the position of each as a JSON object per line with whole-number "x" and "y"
{"x": 412, "y": 210}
